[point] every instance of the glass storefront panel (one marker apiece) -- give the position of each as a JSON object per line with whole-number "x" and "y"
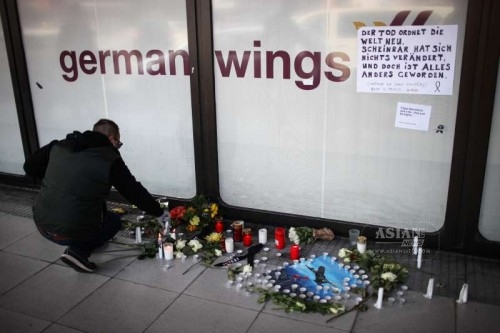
{"x": 11, "y": 146}
{"x": 489, "y": 217}
{"x": 298, "y": 134}
{"x": 122, "y": 60}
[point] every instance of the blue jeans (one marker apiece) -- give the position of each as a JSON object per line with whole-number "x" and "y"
{"x": 110, "y": 226}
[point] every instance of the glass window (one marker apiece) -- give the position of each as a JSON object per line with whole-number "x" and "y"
{"x": 489, "y": 217}
{"x": 295, "y": 135}
{"x": 12, "y": 156}
{"x": 122, "y": 60}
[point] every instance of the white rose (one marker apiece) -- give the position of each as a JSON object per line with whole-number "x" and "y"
{"x": 247, "y": 269}
{"x": 178, "y": 254}
{"x": 344, "y": 253}
{"x": 218, "y": 252}
{"x": 180, "y": 244}
{"x": 195, "y": 245}
{"x": 388, "y": 276}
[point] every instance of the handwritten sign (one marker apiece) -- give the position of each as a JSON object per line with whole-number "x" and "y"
{"x": 413, "y": 116}
{"x": 407, "y": 59}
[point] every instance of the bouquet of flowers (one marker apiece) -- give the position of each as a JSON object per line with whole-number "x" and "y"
{"x": 385, "y": 272}
{"x": 195, "y": 216}
{"x": 209, "y": 248}
{"x": 306, "y": 235}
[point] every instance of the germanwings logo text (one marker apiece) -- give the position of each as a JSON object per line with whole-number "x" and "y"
{"x": 399, "y": 19}
{"x": 305, "y": 68}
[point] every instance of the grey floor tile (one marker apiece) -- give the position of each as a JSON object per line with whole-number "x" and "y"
{"x": 52, "y": 292}
{"x": 344, "y": 322}
{"x": 119, "y": 306}
{"x": 56, "y": 328}
{"x": 190, "y": 314}
{"x": 35, "y": 246}
{"x": 15, "y": 322}
{"x": 111, "y": 258}
{"x": 269, "y": 323}
{"x": 14, "y": 228}
{"x": 16, "y": 269}
{"x": 418, "y": 314}
{"x": 477, "y": 317}
{"x": 211, "y": 285}
{"x": 162, "y": 273}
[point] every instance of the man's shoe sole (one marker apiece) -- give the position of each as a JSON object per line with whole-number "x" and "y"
{"x": 75, "y": 263}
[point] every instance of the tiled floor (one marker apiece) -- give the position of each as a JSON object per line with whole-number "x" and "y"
{"x": 38, "y": 293}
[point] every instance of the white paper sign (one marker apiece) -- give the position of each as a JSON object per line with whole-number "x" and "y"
{"x": 413, "y": 116}
{"x": 407, "y": 59}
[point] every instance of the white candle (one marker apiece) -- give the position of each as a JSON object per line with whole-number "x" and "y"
{"x": 430, "y": 288}
{"x": 229, "y": 242}
{"x": 378, "y": 304}
{"x": 138, "y": 236}
{"x": 160, "y": 247}
{"x": 262, "y": 236}
{"x": 169, "y": 251}
{"x": 419, "y": 258}
{"x": 462, "y": 298}
{"x": 415, "y": 245}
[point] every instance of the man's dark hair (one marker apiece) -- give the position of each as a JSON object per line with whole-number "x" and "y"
{"x": 106, "y": 127}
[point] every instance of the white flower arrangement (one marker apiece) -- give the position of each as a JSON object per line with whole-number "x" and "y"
{"x": 247, "y": 268}
{"x": 195, "y": 245}
{"x": 388, "y": 276}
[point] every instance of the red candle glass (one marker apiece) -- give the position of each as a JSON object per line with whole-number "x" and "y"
{"x": 219, "y": 226}
{"x": 295, "y": 252}
{"x": 247, "y": 237}
{"x": 279, "y": 238}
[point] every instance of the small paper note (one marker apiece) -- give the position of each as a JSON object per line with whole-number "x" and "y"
{"x": 413, "y": 116}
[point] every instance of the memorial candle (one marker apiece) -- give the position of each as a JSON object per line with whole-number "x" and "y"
{"x": 169, "y": 251}
{"x": 419, "y": 258}
{"x": 430, "y": 287}
{"x": 378, "y": 304}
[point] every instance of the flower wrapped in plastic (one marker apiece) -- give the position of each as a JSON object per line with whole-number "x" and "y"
{"x": 307, "y": 235}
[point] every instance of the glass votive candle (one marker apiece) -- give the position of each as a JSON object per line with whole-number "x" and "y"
{"x": 277, "y": 287}
{"x": 356, "y": 267}
{"x": 326, "y": 288}
{"x": 352, "y": 271}
{"x": 302, "y": 290}
{"x": 358, "y": 300}
{"x": 401, "y": 301}
{"x": 277, "y": 275}
{"x": 295, "y": 262}
{"x": 316, "y": 298}
{"x": 256, "y": 261}
{"x": 309, "y": 294}
{"x": 229, "y": 283}
{"x": 325, "y": 254}
{"x": 353, "y": 285}
{"x": 319, "y": 289}
{"x": 285, "y": 264}
{"x": 294, "y": 286}
{"x": 399, "y": 294}
{"x": 356, "y": 276}
{"x": 346, "y": 279}
{"x": 312, "y": 256}
{"x": 269, "y": 285}
{"x": 341, "y": 265}
{"x": 390, "y": 300}
{"x": 366, "y": 282}
{"x": 286, "y": 291}
{"x": 293, "y": 295}
{"x": 361, "y": 271}
{"x": 302, "y": 296}
{"x": 328, "y": 298}
{"x": 404, "y": 288}
{"x": 323, "y": 301}
{"x": 337, "y": 298}
{"x": 263, "y": 259}
{"x": 347, "y": 267}
{"x": 302, "y": 260}
{"x": 239, "y": 286}
{"x": 364, "y": 276}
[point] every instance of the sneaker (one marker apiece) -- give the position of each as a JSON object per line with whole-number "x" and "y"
{"x": 78, "y": 262}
